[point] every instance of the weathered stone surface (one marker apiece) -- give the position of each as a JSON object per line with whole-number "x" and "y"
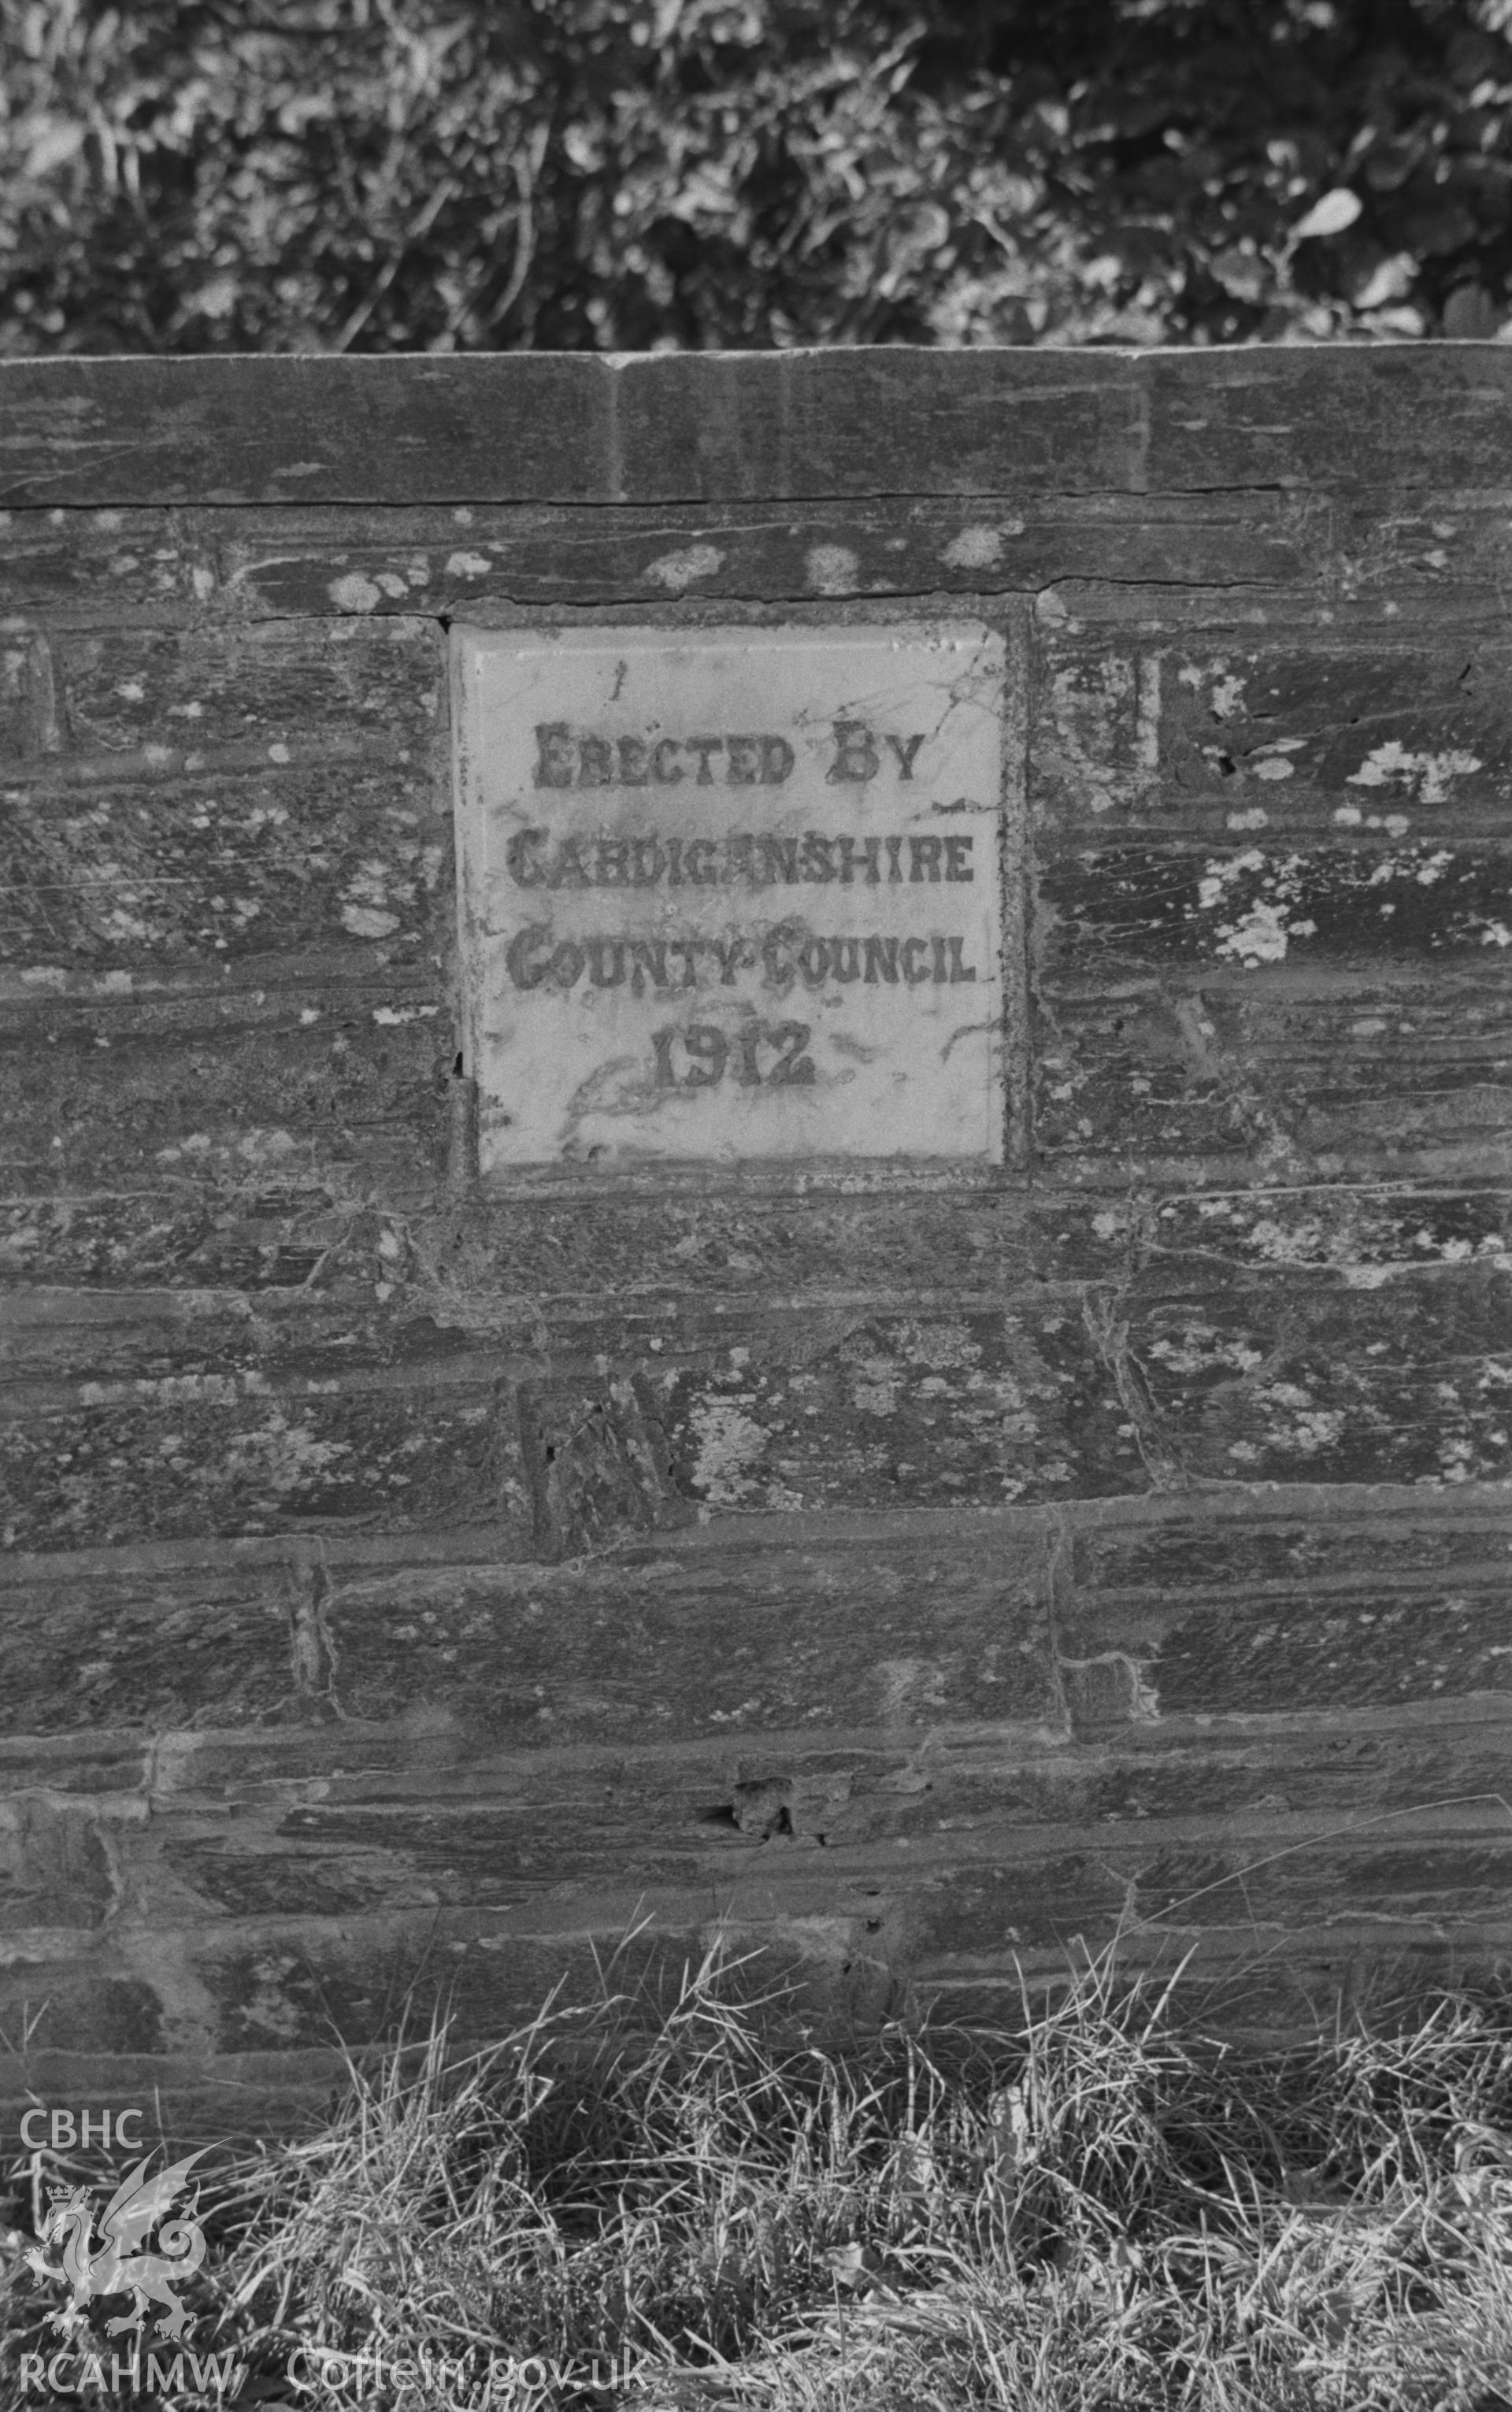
{"x": 492, "y": 559}
{"x": 146, "y": 567}
{"x": 729, "y": 1796}
{"x": 250, "y": 1087}
{"x": 1259, "y": 419}
{"x": 1471, "y": 1537}
{"x": 198, "y": 1419}
{"x": 282, "y": 1980}
{"x": 1271, "y": 1375}
{"x": 599, "y": 1465}
{"x": 1406, "y": 1645}
{"x": 216, "y": 1457}
{"x": 980, "y": 1408}
{"x": 166, "y": 569}
{"x": 1429, "y": 551}
{"x": 314, "y": 1863}
{"x": 929, "y": 1239}
{"x": 1362, "y": 1230}
{"x": 55, "y": 1867}
{"x": 487, "y": 1266}
{"x": 204, "y": 796}
{"x": 1232, "y": 732}
{"x": 831, "y": 1634}
{"x": 177, "y": 1416}
{"x": 65, "y": 1349}
{"x": 293, "y": 431}
{"x": 1253, "y": 905}
{"x": 123, "y": 705}
{"x": 251, "y": 1234}
{"x": 1263, "y": 1900}
{"x": 511, "y": 1826}
{"x": 139, "y": 884}
{"x": 1276, "y": 1073}
{"x": 858, "y": 422}
{"x": 910, "y": 1852}
{"x": 157, "y": 1652}
{"x": 906, "y": 1568}
{"x": 855, "y": 422}
{"x": 1335, "y": 1615}
{"x": 300, "y": 1984}
{"x": 77, "y": 2004}
{"x": 103, "y": 1764}
{"x": 537, "y": 1655}
{"x": 1297, "y": 1012}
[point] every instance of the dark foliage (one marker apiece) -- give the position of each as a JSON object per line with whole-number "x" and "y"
{"x": 486, "y": 174}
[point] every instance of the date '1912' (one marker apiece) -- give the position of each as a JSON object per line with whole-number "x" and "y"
{"x": 708, "y": 1053}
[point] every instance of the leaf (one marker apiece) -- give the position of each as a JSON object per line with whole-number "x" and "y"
{"x": 851, "y": 2265}
{"x": 1240, "y": 273}
{"x": 1331, "y": 215}
{"x": 1470, "y": 314}
{"x": 1390, "y": 279}
{"x": 53, "y": 146}
{"x": 731, "y": 173}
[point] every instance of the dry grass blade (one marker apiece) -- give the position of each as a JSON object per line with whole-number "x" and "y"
{"x": 1099, "y": 2208}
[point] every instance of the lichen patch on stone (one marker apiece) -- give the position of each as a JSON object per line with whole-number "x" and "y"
{"x": 678, "y": 570}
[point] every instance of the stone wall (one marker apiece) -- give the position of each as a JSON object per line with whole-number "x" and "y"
{"x": 417, "y": 1581}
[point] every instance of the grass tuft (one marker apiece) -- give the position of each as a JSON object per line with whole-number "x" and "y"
{"x": 1100, "y": 2208}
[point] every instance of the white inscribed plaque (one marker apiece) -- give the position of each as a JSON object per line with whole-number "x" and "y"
{"x": 732, "y": 893}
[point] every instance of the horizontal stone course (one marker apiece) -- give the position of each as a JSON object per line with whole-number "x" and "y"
{"x": 861, "y": 422}
{"x": 415, "y": 1401}
{"x": 199, "y": 1091}
{"x": 239, "y": 1983}
{"x": 1394, "y": 736}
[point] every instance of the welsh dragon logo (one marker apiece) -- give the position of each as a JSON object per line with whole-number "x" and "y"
{"x": 115, "y": 2267}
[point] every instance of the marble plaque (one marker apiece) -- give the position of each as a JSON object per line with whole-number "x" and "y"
{"x": 732, "y": 893}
